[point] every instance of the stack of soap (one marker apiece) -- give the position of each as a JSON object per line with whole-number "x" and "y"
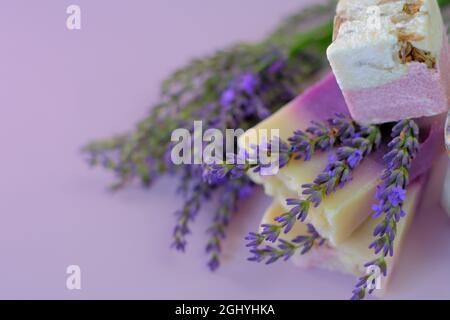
{"x": 391, "y": 59}
{"x": 352, "y": 253}
{"x": 343, "y": 218}
{"x": 342, "y": 212}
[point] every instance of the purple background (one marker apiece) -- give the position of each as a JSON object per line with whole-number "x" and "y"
{"x": 61, "y": 88}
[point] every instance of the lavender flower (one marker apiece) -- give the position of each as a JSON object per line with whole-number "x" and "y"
{"x": 391, "y": 195}
{"x": 321, "y": 136}
{"x": 227, "y": 97}
{"x": 255, "y": 239}
{"x": 335, "y": 175}
{"x": 251, "y": 96}
{"x": 285, "y": 249}
{"x": 273, "y": 157}
{"x": 214, "y": 173}
{"x": 232, "y": 193}
{"x": 248, "y": 83}
{"x": 302, "y": 145}
{"x": 195, "y": 192}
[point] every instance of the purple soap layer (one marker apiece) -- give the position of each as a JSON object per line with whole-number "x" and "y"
{"x": 421, "y": 92}
{"x": 323, "y": 100}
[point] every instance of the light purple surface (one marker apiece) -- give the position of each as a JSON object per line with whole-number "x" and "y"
{"x": 61, "y": 88}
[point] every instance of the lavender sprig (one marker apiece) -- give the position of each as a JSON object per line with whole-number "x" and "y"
{"x": 234, "y": 107}
{"x": 285, "y": 249}
{"x": 336, "y": 174}
{"x": 236, "y": 166}
{"x": 195, "y": 193}
{"x": 321, "y": 136}
{"x": 391, "y": 195}
{"x": 232, "y": 193}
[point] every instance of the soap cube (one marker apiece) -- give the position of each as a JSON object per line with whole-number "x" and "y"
{"x": 391, "y": 59}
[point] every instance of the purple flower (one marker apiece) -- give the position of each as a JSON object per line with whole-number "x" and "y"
{"x": 287, "y": 221}
{"x": 255, "y": 239}
{"x": 271, "y": 232}
{"x": 214, "y": 263}
{"x": 391, "y": 193}
{"x": 227, "y": 97}
{"x": 214, "y": 173}
{"x": 300, "y": 208}
{"x": 248, "y": 83}
{"x": 337, "y": 173}
{"x": 359, "y": 293}
{"x": 378, "y": 210}
{"x": 397, "y": 196}
{"x": 258, "y": 255}
{"x": 238, "y": 171}
{"x": 271, "y": 156}
{"x": 233, "y": 192}
{"x": 276, "y": 67}
{"x": 321, "y": 136}
{"x": 302, "y": 145}
{"x": 355, "y": 159}
{"x": 285, "y": 249}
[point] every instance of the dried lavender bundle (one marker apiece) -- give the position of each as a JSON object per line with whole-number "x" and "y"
{"x": 234, "y": 88}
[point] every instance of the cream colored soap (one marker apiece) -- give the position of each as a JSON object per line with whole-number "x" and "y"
{"x": 343, "y": 211}
{"x": 369, "y": 35}
{"x": 350, "y": 255}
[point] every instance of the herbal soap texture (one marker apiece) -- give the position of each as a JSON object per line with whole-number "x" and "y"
{"x": 391, "y": 59}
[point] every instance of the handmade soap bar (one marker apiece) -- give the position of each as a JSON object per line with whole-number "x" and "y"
{"x": 342, "y": 212}
{"x": 350, "y": 255}
{"x": 391, "y": 59}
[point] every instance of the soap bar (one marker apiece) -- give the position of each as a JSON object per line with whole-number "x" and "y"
{"x": 391, "y": 59}
{"x": 351, "y": 255}
{"x": 344, "y": 211}
{"x": 341, "y": 212}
